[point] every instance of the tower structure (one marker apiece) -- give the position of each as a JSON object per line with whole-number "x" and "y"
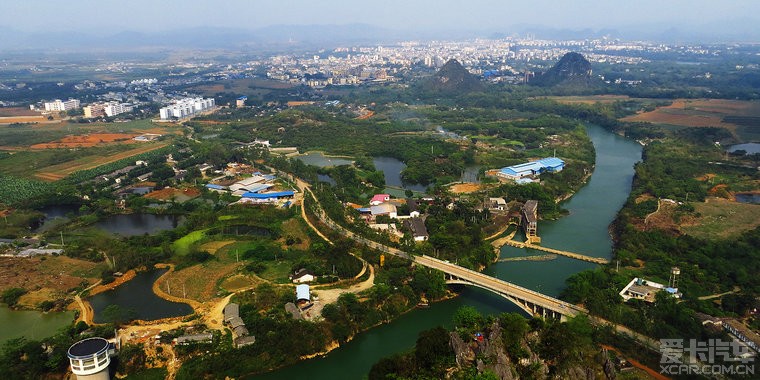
{"x": 674, "y": 272}
{"x": 90, "y": 358}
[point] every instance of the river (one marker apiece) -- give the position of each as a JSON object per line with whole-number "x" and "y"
{"x": 585, "y": 231}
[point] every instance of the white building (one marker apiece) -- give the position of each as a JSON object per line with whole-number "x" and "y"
{"x": 115, "y": 108}
{"x": 186, "y": 107}
{"x": 60, "y": 105}
{"x": 106, "y": 109}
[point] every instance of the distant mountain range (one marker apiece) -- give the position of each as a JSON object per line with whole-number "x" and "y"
{"x": 326, "y": 36}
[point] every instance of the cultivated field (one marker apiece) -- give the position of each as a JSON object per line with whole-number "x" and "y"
{"x": 17, "y": 111}
{"x": 57, "y": 172}
{"x": 739, "y": 116}
{"x": 88, "y": 140}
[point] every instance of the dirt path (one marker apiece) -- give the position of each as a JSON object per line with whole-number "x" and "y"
{"x": 304, "y": 188}
{"x": 327, "y": 296}
{"x": 703, "y": 298}
{"x": 638, "y": 365}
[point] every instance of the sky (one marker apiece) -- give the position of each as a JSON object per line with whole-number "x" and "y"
{"x": 110, "y": 16}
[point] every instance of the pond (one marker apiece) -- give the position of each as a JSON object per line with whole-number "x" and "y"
{"x": 392, "y": 169}
{"x": 55, "y": 215}
{"x": 31, "y": 324}
{"x": 322, "y": 161}
{"x": 136, "y": 297}
{"x": 138, "y": 224}
{"x": 748, "y": 198}
{"x": 750, "y": 148}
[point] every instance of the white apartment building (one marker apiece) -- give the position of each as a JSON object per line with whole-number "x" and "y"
{"x": 59, "y": 105}
{"x": 106, "y": 109}
{"x": 186, "y": 107}
{"x": 115, "y": 108}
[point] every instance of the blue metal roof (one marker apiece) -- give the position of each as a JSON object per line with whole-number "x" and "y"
{"x": 278, "y": 194}
{"x": 551, "y": 162}
{"x": 215, "y": 187}
{"x": 259, "y": 187}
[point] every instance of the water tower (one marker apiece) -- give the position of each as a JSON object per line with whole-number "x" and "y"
{"x": 674, "y": 272}
{"x": 90, "y": 358}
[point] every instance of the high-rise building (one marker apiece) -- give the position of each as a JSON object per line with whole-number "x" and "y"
{"x": 186, "y": 107}
{"x": 60, "y": 105}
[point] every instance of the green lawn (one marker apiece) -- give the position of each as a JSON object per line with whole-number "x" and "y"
{"x": 182, "y": 245}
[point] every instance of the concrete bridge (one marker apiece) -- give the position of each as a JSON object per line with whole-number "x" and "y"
{"x": 534, "y": 303}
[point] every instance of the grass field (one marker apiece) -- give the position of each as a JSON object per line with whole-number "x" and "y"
{"x": 248, "y": 86}
{"x": 182, "y": 245}
{"x": 739, "y": 116}
{"x": 722, "y": 218}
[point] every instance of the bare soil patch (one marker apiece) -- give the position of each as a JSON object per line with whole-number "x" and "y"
{"x": 87, "y": 141}
{"x": 17, "y": 111}
{"x": 699, "y": 113}
{"x": 60, "y": 273}
{"x": 169, "y": 193}
{"x": 465, "y": 188}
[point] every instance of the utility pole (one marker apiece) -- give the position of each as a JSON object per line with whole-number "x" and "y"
{"x": 61, "y": 237}
{"x": 237, "y": 256}
{"x": 617, "y": 266}
{"x": 168, "y": 291}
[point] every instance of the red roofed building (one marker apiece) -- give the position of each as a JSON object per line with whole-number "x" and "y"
{"x": 379, "y": 198}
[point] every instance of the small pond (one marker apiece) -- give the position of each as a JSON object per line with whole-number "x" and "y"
{"x": 136, "y": 298}
{"x": 392, "y": 169}
{"x": 750, "y": 148}
{"x": 322, "y": 161}
{"x": 748, "y": 198}
{"x": 138, "y": 224}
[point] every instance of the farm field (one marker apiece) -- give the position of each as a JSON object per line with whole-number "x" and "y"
{"x": 16, "y": 138}
{"x": 57, "y": 172}
{"x": 54, "y": 273}
{"x": 17, "y": 111}
{"x": 88, "y": 140}
{"x": 248, "y": 86}
{"x": 738, "y": 116}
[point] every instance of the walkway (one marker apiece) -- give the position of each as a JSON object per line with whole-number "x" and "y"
{"x": 508, "y": 241}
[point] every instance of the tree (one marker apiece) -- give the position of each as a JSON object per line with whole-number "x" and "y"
{"x": 432, "y": 347}
{"x": 467, "y": 317}
{"x": 10, "y": 296}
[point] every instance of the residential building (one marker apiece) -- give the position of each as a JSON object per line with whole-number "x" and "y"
{"x": 379, "y": 198}
{"x": 645, "y": 290}
{"x": 240, "y": 102}
{"x": 417, "y": 226}
{"x": 106, "y": 109}
{"x": 60, "y": 105}
{"x": 186, "y": 107}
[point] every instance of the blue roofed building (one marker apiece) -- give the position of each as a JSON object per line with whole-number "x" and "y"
{"x": 514, "y": 172}
{"x": 273, "y": 195}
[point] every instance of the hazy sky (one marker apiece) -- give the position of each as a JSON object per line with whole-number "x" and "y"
{"x": 154, "y": 15}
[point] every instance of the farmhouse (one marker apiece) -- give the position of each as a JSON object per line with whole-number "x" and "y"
{"x": 379, "y": 198}
{"x": 417, "y": 226}
{"x": 303, "y": 275}
{"x": 644, "y": 290}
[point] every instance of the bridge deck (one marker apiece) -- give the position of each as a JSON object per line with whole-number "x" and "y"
{"x": 572, "y": 255}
